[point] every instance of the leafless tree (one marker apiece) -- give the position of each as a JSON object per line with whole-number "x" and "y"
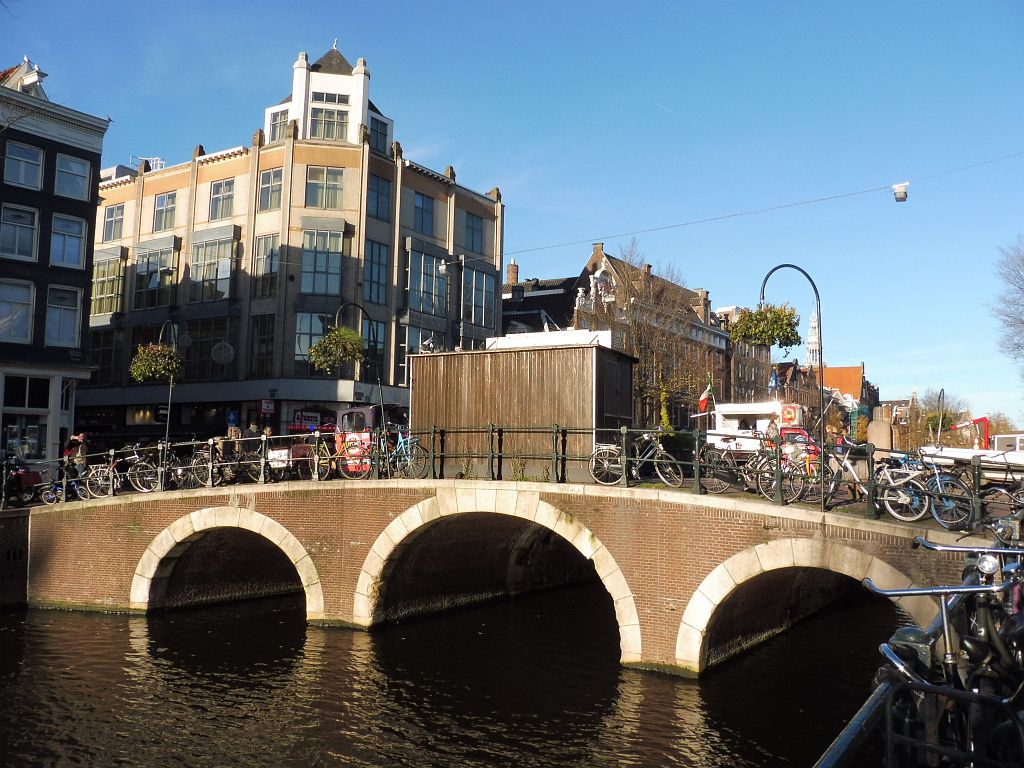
{"x": 1010, "y": 309}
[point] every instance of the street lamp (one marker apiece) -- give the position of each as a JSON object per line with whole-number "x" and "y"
{"x": 170, "y": 387}
{"x": 821, "y": 374}
{"x": 374, "y": 340}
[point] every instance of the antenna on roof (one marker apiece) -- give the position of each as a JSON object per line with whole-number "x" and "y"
{"x": 155, "y": 163}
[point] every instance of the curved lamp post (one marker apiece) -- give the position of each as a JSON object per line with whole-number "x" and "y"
{"x": 821, "y": 373}
{"x": 373, "y": 335}
{"x": 170, "y": 388}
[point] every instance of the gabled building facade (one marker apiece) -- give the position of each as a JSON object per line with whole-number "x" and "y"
{"x": 51, "y": 163}
{"x": 248, "y": 255}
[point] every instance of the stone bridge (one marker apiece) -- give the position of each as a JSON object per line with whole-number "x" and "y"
{"x": 691, "y": 579}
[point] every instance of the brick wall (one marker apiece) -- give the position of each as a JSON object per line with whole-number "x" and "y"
{"x": 13, "y": 557}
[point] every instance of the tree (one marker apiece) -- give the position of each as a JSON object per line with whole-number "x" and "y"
{"x": 1010, "y": 310}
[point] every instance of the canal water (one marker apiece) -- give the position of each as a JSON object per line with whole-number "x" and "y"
{"x": 531, "y": 682}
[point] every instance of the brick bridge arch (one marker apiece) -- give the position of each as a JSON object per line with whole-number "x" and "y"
{"x": 158, "y": 561}
{"x": 691, "y": 643}
{"x": 528, "y": 506}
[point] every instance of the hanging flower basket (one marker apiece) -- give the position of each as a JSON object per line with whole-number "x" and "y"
{"x": 338, "y": 346}
{"x": 768, "y": 324}
{"x": 155, "y": 362}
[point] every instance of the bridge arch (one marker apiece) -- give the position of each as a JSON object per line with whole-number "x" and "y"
{"x": 691, "y": 640}
{"x": 523, "y": 504}
{"x": 157, "y": 563}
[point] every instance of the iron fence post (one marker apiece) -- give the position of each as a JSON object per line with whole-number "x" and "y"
{"x": 113, "y": 475}
{"x": 210, "y": 446}
{"x": 777, "y": 469}
{"x": 433, "y": 449}
{"x": 263, "y": 459}
{"x": 697, "y": 445}
{"x": 316, "y": 456}
{"x": 975, "y": 490}
{"x": 872, "y": 491}
{"x": 624, "y": 455}
{"x": 163, "y": 465}
{"x": 490, "y": 450}
{"x": 554, "y": 454}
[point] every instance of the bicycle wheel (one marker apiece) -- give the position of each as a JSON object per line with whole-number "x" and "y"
{"x": 355, "y": 461}
{"x": 951, "y": 505}
{"x": 668, "y": 469}
{"x": 77, "y": 490}
{"x": 816, "y": 478}
{"x": 251, "y": 464}
{"x": 143, "y": 477}
{"x": 907, "y": 501}
{"x": 412, "y": 464}
{"x": 606, "y": 466}
{"x": 99, "y": 481}
{"x": 791, "y": 477}
{"x": 718, "y": 471}
{"x": 51, "y": 495}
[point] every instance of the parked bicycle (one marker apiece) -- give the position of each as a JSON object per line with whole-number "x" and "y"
{"x": 399, "y": 455}
{"x": 607, "y": 463}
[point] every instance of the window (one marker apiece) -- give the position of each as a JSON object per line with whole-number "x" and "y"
{"x": 331, "y": 124}
{"x": 423, "y": 215}
{"x": 330, "y": 98}
{"x": 23, "y": 165}
{"x": 15, "y": 312}
{"x": 261, "y": 346}
{"x": 378, "y": 135}
{"x": 18, "y": 228}
{"x": 113, "y": 220}
{"x": 62, "y": 317}
{"x": 321, "y": 262}
{"x": 103, "y": 354}
{"x": 309, "y": 329}
{"x": 67, "y": 242}
{"x": 26, "y": 392}
{"x": 378, "y": 198}
{"x": 426, "y": 284}
{"x": 163, "y": 211}
{"x": 372, "y": 367}
{"x": 72, "y": 177}
{"x": 375, "y": 273}
{"x": 210, "y": 270}
{"x": 107, "y": 277}
{"x": 278, "y": 125}
{"x": 221, "y": 196}
{"x": 154, "y": 278}
{"x": 478, "y": 297}
{"x": 323, "y": 187}
{"x": 416, "y": 340}
{"x": 474, "y": 233}
{"x": 264, "y": 266}
{"x": 201, "y": 364}
{"x": 270, "y": 190}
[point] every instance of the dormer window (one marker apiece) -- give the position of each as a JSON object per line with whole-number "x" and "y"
{"x": 378, "y": 135}
{"x": 331, "y": 124}
{"x": 278, "y": 123}
{"x": 329, "y": 98}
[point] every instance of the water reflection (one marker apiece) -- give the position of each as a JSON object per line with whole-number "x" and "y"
{"x": 530, "y": 682}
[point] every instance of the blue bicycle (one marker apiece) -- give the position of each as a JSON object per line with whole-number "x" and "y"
{"x": 399, "y": 455}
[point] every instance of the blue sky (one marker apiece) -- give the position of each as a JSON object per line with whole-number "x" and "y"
{"x": 597, "y": 120}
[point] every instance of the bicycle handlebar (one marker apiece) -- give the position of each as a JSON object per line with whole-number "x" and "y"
{"x": 960, "y": 589}
{"x": 921, "y": 541}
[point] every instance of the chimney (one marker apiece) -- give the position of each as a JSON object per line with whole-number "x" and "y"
{"x": 513, "y": 272}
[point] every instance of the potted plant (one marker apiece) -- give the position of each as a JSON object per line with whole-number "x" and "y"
{"x": 156, "y": 362}
{"x": 339, "y": 345}
{"x": 768, "y": 324}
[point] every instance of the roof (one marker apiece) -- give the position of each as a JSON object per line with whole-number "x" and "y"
{"x": 6, "y": 73}
{"x": 332, "y": 63}
{"x": 553, "y": 298}
{"x": 849, "y": 379}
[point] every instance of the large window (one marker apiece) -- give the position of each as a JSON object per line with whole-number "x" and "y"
{"x": 103, "y": 354}
{"x": 163, "y": 211}
{"x": 423, "y": 214}
{"x": 210, "y": 270}
{"x": 67, "y": 242}
{"x": 474, "y": 233}
{"x": 265, "y": 262}
{"x": 261, "y": 346}
{"x": 211, "y": 356}
{"x": 375, "y": 273}
{"x": 426, "y": 284}
{"x": 107, "y": 277}
{"x": 113, "y": 221}
{"x": 328, "y": 124}
{"x": 63, "y": 315}
{"x": 478, "y": 297}
{"x": 323, "y": 187}
{"x": 72, "y": 177}
{"x": 373, "y": 367}
{"x": 154, "y": 278}
{"x": 378, "y": 135}
{"x": 378, "y": 198}
{"x": 321, "y": 97}
{"x": 23, "y": 165}
{"x": 15, "y": 311}
{"x": 309, "y": 329}
{"x": 278, "y": 125}
{"x": 18, "y": 230}
{"x": 270, "y": 190}
{"x": 222, "y": 195}
{"x": 416, "y": 340}
{"x": 321, "y": 262}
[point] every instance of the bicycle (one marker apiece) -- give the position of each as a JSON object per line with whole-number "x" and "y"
{"x": 950, "y": 497}
{"x": 104, "y": 478}
{"x": 607, "y": 464}
{"x": 406, "y": 458}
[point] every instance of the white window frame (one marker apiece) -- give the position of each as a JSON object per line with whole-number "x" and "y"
{"x": 30, "y": 313}
{"x": 324, "y": 121}
{"x": 222, "y": 198}
{"x": 84, "y": 175}
{"x": 278, "y": 125}
{"x": 21, "y": 163}
{"x": 109, "y": 219}
{"x": 79, "y": 262}
{"x": 75, "y": 340}
{"x": 320, "y": 191}
{"x": 35, "y": 232}
{"x": 271, "y": 181}
{"x": 163, "y": 215}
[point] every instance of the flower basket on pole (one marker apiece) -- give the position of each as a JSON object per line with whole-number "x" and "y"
{"x": 768, "y": 324}
{"x": 338, "y": 346}
{"x": 156, "y": 362}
